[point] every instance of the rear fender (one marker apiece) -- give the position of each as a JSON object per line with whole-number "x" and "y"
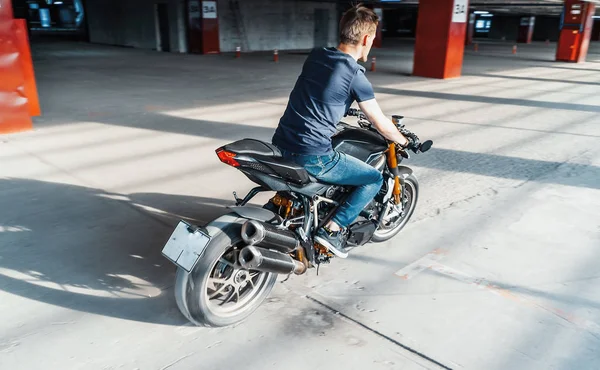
{"x": 256, "y": 213}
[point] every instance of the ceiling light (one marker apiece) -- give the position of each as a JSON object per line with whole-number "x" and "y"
{"x": 481, "y": 12}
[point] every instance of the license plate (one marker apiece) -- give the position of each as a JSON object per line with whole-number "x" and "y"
{"x": 186, "y": 245}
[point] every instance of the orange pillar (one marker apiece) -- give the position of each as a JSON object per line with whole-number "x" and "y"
{"x": 14, "y": 107}
{"x": 576, "y": 31}
{"x": 440, "y": 44}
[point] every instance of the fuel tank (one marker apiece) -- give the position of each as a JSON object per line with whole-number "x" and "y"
{"x": 367, "y": 146}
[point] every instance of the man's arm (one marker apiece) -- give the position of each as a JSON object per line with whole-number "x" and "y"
{"x": 383, "y": 124}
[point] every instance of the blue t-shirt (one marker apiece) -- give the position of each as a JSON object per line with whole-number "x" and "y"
{"x": 328, "y": 85}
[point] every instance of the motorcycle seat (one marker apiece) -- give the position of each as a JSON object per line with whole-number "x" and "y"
{"x": 268, "y": 154}
{"x": 253, "y": 147}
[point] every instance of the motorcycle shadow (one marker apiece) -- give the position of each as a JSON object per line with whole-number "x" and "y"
{"x": 92, "y": 251}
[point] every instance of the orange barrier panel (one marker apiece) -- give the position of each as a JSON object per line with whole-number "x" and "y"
{"x": 27, "y": 65}
{"x": 14, "y": 109}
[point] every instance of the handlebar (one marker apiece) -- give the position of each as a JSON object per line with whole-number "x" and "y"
{"x": 356, "y": 113}
{"x": 414, "y": 143}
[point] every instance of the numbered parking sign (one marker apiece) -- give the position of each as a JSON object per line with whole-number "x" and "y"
{"x": 209, "y": 9}
{"x": 460, "y": 10}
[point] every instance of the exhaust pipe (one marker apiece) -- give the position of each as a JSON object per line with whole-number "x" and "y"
{"x": 268, "y": 236}
{"x": 261, "y": 259}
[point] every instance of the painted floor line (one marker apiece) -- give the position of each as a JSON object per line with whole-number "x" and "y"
{"x": 420, "y": 265}
{"x": 429, "y": 262}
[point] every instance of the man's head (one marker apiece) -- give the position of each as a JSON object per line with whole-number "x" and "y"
{"x": 358, "y": 28}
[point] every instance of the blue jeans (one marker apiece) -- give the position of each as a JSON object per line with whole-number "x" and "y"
{"x": 341, "y": 169}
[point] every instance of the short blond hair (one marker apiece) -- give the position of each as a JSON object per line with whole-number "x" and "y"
{"x": 357, "y": 21}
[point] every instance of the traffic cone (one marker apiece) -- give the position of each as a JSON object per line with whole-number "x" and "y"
{"x": 373, "y": 63}
{"x": 476, "y": 47}
{"x": 276, "y": 55}
{"x": 238, "y": 52}
{"x": 514, "y": 49}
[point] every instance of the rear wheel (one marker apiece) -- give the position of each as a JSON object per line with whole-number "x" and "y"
{"x": 219, "y": 292}
{"x": 394, "y": 223}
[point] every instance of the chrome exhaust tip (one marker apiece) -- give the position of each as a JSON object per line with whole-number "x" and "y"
{"x": 253, "y": 232}
{"x": 265, "y": 260}
{"x": 269, "y": 236}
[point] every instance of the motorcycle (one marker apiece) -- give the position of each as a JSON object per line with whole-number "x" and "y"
{"x": 226, "y": 269}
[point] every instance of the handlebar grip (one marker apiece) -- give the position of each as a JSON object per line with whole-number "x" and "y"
{"x": 353, "y": 112}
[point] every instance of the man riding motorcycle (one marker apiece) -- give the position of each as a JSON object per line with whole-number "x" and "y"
{"x": 331, "y": 80}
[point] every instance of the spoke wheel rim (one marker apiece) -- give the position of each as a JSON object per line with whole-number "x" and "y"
{"x": 229, "y": 288}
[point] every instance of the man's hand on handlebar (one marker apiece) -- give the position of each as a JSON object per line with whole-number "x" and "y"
{"x": 409, "y": 141}
{"x": 412, "y": 139}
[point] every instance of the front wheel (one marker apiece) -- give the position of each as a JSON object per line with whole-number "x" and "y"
{"x": 394, "y": 223}
{"x": 219, "y": 292}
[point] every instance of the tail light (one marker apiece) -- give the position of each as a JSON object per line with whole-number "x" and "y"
{"x": 227, "y": 157}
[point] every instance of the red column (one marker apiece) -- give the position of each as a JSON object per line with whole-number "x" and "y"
{"x": 440, "y": 44}
{"x": 379, "y": 36}
{"x": 470, "y": 29}
{"x": 14, "y": 107}
{"x": 576, "y": 31}
{"x": 210, "y": 28}
{"x": 526, "y": 30}
{"x": 203, "y": 27}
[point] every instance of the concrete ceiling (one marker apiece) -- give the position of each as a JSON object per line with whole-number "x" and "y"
{"x": 503, "y": 7}
{"x": 520, "y": 7}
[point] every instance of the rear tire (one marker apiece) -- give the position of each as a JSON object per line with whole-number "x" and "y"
{"x": 218, "y": 292}
{"x": 412, "y": 192}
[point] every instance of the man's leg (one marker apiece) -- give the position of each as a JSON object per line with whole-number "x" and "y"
{"x": 347, "y": 170}
{"x": 351, "y": 171}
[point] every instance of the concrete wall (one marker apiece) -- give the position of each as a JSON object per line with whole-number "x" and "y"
{"x": 546, "y": 28}
{"x": 132, "y": 23}
{"x": 400, "y": 22}
{"x": 504, "y": 27}
{"x": 274, "y": 24}
{"x": 264, "y": 24}
{"x": 596, "y": 30}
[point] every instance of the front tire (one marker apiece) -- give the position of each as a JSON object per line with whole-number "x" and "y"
{"x": 411, "y": 195}
{"x": 218, "y": 292}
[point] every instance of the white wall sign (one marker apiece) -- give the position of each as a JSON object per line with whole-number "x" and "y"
{"x": 209, "y": 9}
{"x": 460, "y": 11}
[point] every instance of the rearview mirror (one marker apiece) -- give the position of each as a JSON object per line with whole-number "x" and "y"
{"x": 426, "y": 146}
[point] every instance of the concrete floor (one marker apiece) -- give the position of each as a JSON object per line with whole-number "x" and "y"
{"x": 497, "y": 270}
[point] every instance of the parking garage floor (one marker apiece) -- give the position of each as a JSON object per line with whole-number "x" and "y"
{"x": 497, "y": 269}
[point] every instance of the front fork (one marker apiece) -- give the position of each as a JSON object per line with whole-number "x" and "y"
{"x": 398, "y": 180}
